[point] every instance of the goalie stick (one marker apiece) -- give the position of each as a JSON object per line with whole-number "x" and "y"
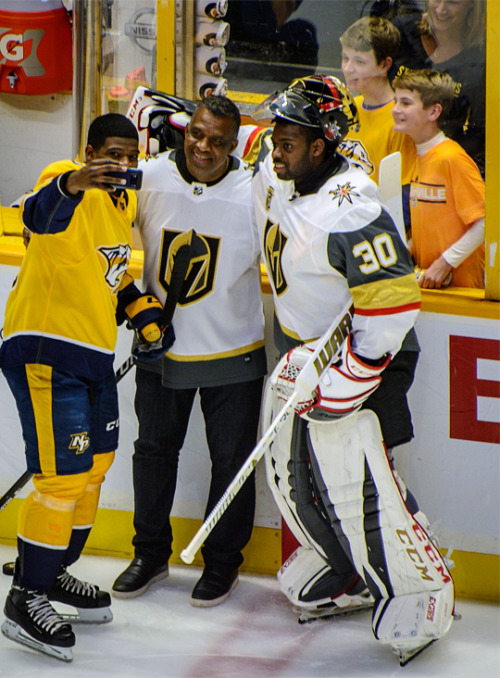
{"x": 308, "y": 378}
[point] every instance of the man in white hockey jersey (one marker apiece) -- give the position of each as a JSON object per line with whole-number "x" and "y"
{"x": 200, "y": 196}
{"x": 326, "y": 239}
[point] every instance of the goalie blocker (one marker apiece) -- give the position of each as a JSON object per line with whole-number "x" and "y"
{"x": 335, "y": 489}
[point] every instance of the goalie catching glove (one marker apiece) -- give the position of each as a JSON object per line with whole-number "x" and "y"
{"x": 342, "y": 389}
{"x": 143, "y": 313}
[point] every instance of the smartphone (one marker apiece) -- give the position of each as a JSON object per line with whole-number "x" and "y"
{"x": 133, "y": 177}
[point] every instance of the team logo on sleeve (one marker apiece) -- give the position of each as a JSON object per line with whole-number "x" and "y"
{"x": 344, "y": 192}
{"x": 269, "y": 197}
{"x": 199, "y": 280}
{"x": 79, "y": 442}
{"x": 356, "y": 153}
{"x": 117, "y": 259}
{"x": 274, "y": 243}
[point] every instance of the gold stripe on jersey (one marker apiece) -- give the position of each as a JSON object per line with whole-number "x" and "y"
{"x": 390, "y": 295}
{"x": 216, "y": 356}
{"x": 46, "y": 521}
{"x": 40, "y": 384}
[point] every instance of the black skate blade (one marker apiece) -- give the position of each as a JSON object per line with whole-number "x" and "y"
{"x": 14, "y": 632}
{"x": 8, "y": 569}
{"x": 306, "y": 617}
{"x": 406, "y": 656}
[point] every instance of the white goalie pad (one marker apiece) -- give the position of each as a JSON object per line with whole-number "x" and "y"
{"x": 411, "y": 622}
{"x": 276, "y": 462}
{"x": 305, "y": 579}
{"x": 290, "y": 480}
{"x": 390, "y": 549}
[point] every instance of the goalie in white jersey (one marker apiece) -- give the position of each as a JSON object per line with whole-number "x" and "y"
{"x": 326, "y": 238}
{"x": 199, "y": 196}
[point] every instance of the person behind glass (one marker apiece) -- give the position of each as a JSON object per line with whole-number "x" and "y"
{"x": 60, "y": 334}
{"x": 447, "y": 191}
{"x": 449, "y": 37}
{"x": 218, "y": 352}
{"x": 369, "y": 46}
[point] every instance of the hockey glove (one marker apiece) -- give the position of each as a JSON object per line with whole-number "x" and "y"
{"x": 143, "y": 313}
{"x": 342, "y": 389}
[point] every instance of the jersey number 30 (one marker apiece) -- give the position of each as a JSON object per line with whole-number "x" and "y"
{"x": 380, "y": 253}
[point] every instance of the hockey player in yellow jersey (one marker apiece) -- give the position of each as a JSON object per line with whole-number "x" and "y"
{"x": 60, "y": 332}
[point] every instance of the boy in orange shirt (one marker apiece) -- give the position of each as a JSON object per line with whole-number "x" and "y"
{"x": 447, "y": 192}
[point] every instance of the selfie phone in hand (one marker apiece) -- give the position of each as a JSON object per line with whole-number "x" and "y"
{"x": 133, "y": 177}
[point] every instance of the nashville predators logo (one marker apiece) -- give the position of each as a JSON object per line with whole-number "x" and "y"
{"x": 199, "y": 279}
{"x": 274, "y": 243}
{"x": 356, "y": 153}
{"x": 345, "y": 192}
{"x": 117, "y": 259}
{"x": 79, "y": 442}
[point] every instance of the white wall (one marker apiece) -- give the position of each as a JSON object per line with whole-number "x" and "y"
{"x": 34, "y": 131}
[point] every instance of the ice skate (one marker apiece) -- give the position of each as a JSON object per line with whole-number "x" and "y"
{"x": 92, "y": 605}
{"x": 355, "y": 603}
{"x": 33, "y": 622}
{"x": 406, "y": 655}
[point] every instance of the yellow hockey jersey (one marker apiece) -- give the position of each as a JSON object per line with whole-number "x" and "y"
{"x": 61, "y": 310}
{"x": 375, "y": 139}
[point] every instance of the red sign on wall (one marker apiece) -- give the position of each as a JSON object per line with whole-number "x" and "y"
{"x": 466, "y": 387}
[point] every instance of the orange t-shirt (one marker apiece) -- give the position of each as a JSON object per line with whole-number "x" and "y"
{"x": 446, "y": 198}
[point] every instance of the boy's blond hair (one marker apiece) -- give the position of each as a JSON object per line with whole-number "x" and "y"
{"x": 373, "y": 33}
{"x": 475, "y": 26}
{"x": 433, "y": 87}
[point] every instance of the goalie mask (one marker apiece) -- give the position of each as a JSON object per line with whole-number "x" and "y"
{"x": 316, "y": 101}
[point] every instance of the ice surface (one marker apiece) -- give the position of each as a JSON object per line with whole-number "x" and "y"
{"x": 254, "y": 634}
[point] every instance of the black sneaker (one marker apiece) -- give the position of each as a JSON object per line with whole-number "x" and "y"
{"x": 137, "y": 578}
{"x": 91, "y": 603}
{"x": 33, "y": 622}
{"x": 214, "y": 586}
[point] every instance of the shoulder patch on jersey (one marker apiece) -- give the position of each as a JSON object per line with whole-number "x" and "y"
{"x": 344, "y": 192}
{"x": 356, "y": 153}
{"x": 274, "y": 243}
{"x": 117, "y": 259}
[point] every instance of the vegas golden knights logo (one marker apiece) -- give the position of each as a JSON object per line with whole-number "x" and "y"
{"x": 274, "y": 243}
{"x": 200, "y": 277}
{"x": 269, "y": 197}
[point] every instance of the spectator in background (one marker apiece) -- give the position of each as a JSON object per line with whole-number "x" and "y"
{"x": 449, "y": 37}
{"x": 369, "y": 46}
{"x": 447, "y": 191}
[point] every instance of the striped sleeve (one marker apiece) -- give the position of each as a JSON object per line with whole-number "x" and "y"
{"x": 380, "y": 276}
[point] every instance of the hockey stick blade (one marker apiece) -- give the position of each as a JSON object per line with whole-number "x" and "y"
{"x": 389, "y": 181}
{"x": 326, "y": 351}
{"x": 27, "y": 475}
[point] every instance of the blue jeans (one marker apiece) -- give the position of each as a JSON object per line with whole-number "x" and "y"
{"x": 231, "y": 414}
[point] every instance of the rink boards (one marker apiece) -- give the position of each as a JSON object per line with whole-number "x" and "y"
{"x": 452, "y": 465}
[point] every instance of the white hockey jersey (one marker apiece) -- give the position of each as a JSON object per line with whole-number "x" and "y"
{"x": 219, "y": 321}
{"x": 323, "y": 247}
